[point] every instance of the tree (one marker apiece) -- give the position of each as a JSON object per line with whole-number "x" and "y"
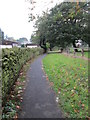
{"x": 63, "y": 25}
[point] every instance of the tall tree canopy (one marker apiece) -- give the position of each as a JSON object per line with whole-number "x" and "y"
{"x": 64, "y": 24}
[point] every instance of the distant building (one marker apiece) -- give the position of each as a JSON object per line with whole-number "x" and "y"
{"x": 8, "y": 44}
{"x": 31, "y": 45}
{"x": 1, "y": 35}
{"x": 23, "y": 41}
{"x": 10, "y": 38}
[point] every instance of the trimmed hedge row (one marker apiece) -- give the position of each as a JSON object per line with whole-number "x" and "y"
{"x": 12, "y": 61}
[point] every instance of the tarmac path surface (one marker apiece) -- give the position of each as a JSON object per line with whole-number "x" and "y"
{"x": 39, "y": 100}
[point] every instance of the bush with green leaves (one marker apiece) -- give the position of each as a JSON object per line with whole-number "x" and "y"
{"x": 12, "y": 61}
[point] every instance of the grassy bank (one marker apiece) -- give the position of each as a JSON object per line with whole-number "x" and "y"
{"x": 70, "y": 81}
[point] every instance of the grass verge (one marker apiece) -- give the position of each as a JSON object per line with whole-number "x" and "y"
{"x": 86, "y": 54}
{"x": 70, "y": 81}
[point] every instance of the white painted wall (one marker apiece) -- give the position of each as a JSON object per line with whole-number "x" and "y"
{"x": 15, "y": 45}
{"x": 32, "y": 46}
{"x": 5, "y": 46}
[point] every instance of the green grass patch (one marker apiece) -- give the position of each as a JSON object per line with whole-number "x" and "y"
{"x": 86, "y": 54}
{"x": 70, "y": 78}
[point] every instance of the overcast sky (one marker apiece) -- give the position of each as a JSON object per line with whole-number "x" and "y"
{"x": 14, "y": 16}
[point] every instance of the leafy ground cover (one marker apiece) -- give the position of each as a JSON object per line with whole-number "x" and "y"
{"x": 70, "y": 81}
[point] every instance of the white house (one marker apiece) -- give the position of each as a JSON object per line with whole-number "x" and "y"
{"x": 8, "y": 44}
{"x": 31, "y": 45}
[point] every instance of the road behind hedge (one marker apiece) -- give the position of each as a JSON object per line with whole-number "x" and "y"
{"x": 39, "y": 100}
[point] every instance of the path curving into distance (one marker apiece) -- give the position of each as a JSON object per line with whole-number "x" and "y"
{"x": 39, "y": 100}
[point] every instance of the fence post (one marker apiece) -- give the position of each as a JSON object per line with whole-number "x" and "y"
{"x": 74, "y": 52}
{"x": 82, "y": 52}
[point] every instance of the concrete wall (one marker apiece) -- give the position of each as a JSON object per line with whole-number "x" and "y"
{"x": 32, "y": 46}
{"x": 5, "y": 46}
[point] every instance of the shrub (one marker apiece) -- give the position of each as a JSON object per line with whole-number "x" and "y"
{"x": 12, "y": 61}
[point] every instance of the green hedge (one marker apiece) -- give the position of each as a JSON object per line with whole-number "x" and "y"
{"x": 12, "y": 61}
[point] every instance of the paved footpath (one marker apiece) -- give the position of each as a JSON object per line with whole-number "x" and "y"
{"x": 39, "y": 99}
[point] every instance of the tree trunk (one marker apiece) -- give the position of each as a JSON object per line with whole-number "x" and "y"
{"x": 51, "y": 47}
{"x": 43, "y": 46}
{"x": 89, "y": 45}
{"x": 61, "y": 50}
{"x": 45, "y": 50}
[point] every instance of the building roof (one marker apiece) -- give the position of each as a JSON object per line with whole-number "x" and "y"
{"x": 7, "y": 42}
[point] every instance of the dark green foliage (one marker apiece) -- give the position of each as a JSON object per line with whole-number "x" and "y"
{"x": 64, "y": 24}
{"x": 12, "y": 62}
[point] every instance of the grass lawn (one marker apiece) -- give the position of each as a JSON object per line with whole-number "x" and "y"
{"x": 70, "y": 81}
{"x": 86, "y": 54}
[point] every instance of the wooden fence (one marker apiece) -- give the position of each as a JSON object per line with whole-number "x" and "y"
{"x": 80, "y": 50}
